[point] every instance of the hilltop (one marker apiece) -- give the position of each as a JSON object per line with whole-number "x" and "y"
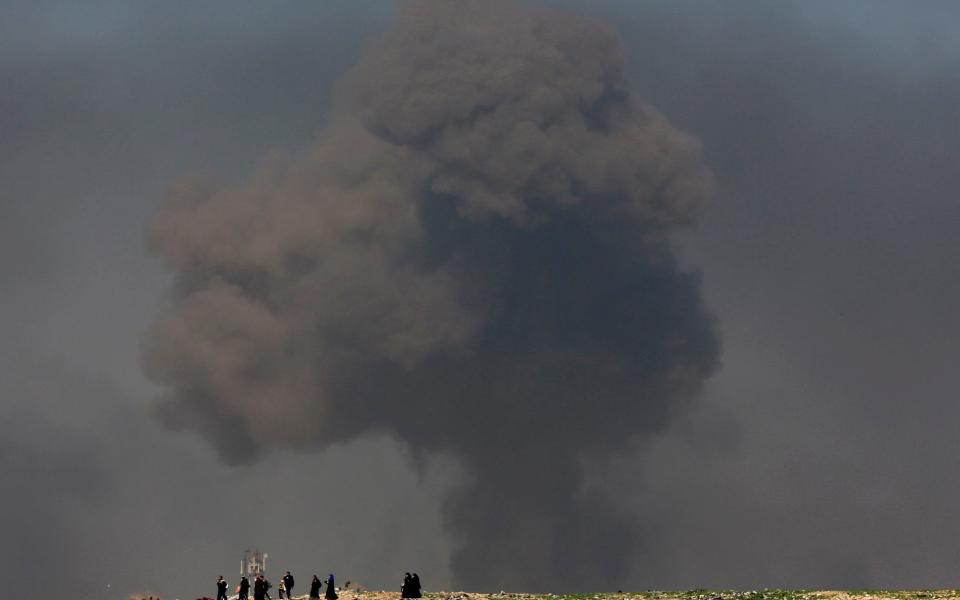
{"x": 701, "y": 594}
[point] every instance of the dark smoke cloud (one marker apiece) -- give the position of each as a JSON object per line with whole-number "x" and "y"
{"x": 474, "y": 257}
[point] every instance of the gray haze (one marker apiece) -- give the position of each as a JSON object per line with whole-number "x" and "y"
{"x": 819, "y": 454}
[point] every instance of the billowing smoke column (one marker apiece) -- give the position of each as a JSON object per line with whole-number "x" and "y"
{"x": 473, "y": 257}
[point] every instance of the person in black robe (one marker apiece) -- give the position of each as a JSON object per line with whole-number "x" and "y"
{"x": 315, "y": 586}
{"x": 288, "y": 584}
{"x": 243, "y": 589}
{"x": 405, "y": 587}
{"x": 259, "y": 588}
{"x": 331, "y": 589}
{"x": 221, "y": 588}
{"x": 415, "y": 591}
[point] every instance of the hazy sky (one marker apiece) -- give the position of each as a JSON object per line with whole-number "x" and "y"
{"x": 818, "y": 455}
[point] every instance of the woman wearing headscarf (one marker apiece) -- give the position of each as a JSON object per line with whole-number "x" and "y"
{"x": 331, "y": 589}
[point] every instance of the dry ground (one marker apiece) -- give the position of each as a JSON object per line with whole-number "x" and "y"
{"x": 767, "y": 594}
{"x": 675, "y": 595}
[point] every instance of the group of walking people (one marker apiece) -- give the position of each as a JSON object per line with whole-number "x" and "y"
{"x": 261, "y": 588}
{"x": 411, "y": 586}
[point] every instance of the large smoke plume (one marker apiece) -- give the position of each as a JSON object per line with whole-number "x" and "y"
{"x": 474, "y": 256}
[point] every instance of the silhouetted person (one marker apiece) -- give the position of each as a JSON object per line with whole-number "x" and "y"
{"x": 315, "y": 586}
{"x": 331, "y": 589}
{"x": 221, "y": 588}
{"x": 405, "y": 588}
{"x": 259, "y": 588}
{"x": 415, "y": 586}
{"x": 243, "y": 589}
{"x": 288, "y": 584}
